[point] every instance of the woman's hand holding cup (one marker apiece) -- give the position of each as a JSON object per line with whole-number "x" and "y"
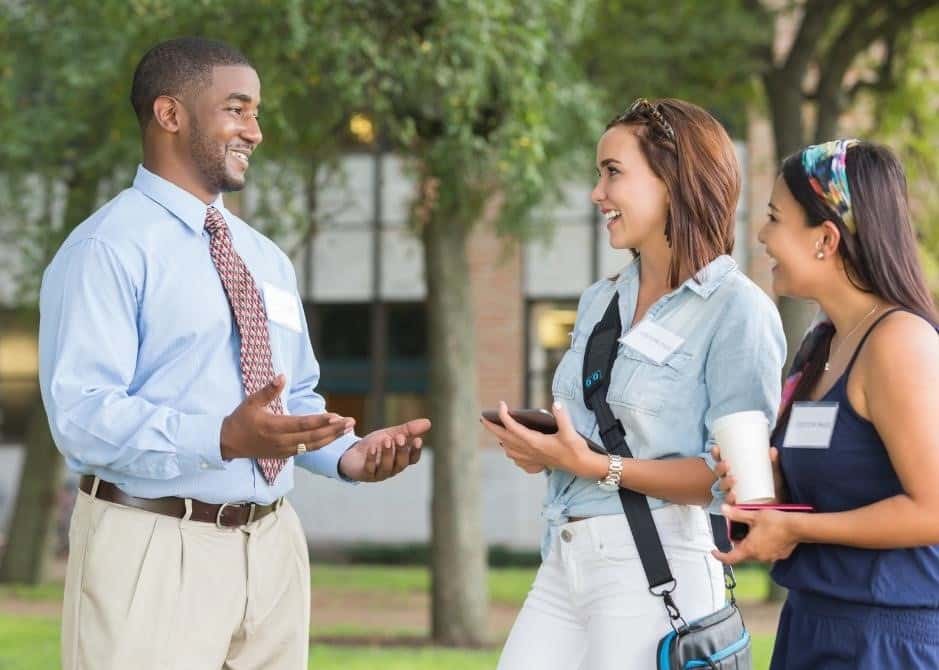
{"x": 727, "y": 481}
{"x": 743, "y": 438}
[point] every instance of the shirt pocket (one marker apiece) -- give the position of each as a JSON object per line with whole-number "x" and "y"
{"x": 567, "y": 376}
{"x": 644, "y": 385}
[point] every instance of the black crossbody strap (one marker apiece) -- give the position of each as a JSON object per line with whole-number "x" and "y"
{"x": 598, "y": 364}
{"x": 599, "y": 357}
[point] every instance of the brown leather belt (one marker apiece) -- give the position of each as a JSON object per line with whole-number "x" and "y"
{"x": 228, "y": 515}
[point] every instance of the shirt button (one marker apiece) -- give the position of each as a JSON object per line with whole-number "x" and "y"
{"x": 566, "y": 535}
{"x": 204, "y": 466}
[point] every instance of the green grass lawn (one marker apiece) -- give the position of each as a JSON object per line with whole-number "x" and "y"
{"x": 506, "y": 585}
{"x": 32, "y": 642}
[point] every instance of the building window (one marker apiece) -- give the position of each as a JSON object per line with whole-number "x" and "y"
{"x": 342, "y": 336}
{"x": 550, "y": 323}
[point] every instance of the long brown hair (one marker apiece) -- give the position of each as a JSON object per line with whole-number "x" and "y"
{"x": 695, "y": 158}
{"x": 880, "y": 259}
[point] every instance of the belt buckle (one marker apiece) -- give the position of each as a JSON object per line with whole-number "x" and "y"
{"x": 218, "y": 515}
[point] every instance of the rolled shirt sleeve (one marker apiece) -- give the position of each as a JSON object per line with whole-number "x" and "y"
{"x": 743, "y": 371}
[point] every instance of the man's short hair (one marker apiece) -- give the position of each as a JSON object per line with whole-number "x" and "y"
{"x": 178, "y": 67}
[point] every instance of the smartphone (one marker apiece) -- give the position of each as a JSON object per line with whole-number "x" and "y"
{"x": 535, "y": 419}
{"x": 737, "y": 530}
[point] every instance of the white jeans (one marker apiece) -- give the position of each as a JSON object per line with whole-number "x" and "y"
{"x": 590, "y": 606}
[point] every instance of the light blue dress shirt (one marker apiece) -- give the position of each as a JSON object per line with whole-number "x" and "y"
{"x": 139, "y": 354}
{"x": 730, "y": 360}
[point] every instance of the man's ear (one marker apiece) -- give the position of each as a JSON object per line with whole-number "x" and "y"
{"x": 167, "y": 113}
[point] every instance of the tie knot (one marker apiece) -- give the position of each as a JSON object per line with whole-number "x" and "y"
{"x": 214, "y": 221}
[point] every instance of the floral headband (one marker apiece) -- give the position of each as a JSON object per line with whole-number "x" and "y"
{"x": 824, "y": 164}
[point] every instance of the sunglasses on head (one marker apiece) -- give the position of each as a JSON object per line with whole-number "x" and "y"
{"x": 645, "y": 110}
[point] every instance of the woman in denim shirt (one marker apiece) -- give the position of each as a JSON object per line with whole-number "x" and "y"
{"x": 668, "y": 183}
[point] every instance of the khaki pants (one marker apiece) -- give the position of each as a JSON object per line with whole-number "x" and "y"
{"x": 150, "y": 592}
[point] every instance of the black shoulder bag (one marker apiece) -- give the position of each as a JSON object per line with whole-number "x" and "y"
{"x": 719, "y": 641}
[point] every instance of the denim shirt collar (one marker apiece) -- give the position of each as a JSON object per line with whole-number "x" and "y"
{"x": 703, "y": 284}
{"x": 180, "y": 203}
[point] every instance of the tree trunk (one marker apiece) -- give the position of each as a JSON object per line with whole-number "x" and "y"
{"x": 458, "y": 549}
{"x": 784, "y": 94}
{"x": 31, "y": 536}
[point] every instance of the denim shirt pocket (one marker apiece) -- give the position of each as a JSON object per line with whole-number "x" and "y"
{"x": 567, "y": 376}
{"x": 644, "y": 385}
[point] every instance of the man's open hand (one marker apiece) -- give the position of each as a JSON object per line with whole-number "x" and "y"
{"x": 253, "y": 431}
{"x": 384, "y": 453}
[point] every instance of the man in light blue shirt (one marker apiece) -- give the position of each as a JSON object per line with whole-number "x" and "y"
{"x": 181, "y": 550}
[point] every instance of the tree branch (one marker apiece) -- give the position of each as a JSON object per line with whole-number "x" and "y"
{"x": 885, "y": 80}
{"x": 815, "y": 17}
{"x": 845, "y": 47}
{"x": 865, "y": 27}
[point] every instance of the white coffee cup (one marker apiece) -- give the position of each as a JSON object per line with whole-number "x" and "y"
{"x": 743, "y": 438}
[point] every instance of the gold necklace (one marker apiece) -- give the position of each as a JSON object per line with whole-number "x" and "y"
{"x": 851, "y": 332}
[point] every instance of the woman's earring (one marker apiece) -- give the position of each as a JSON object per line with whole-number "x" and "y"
{"x": 820, "y": 255}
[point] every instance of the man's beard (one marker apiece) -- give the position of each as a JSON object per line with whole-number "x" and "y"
{"x": 210, "y": 161}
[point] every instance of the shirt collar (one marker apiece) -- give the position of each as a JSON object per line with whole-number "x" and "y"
{"x": 704, "y": 283}
{"x": 180, "y": 203}
{"x": 711, "y": 276}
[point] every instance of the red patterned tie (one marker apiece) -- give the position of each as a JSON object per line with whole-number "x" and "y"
{"x": 257, "y": 370}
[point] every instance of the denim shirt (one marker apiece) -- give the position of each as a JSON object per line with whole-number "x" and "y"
{"x": 730, "y": 360}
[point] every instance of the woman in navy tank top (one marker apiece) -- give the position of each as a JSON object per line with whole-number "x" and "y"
{"x": 858, "y": 434}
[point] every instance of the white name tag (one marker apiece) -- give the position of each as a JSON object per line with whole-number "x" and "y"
{"x": 811, "y": 425}
{"x": 652, "y": 340}
{"x": 282, "y": 307}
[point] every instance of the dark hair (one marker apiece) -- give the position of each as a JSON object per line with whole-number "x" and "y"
{"x": 695, "y": 158}
{"x": 880, "y": 258}
{"x": 177, "y": 67}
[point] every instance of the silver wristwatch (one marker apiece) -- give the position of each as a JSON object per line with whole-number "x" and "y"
{"x": 611, "y": 481}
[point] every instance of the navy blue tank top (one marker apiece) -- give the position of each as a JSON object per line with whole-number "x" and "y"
{"x": 853, "y": 472}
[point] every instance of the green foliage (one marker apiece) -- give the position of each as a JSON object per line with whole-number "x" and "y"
{"x": 905, "y": 119}
{"x": 65, "y": 86}
{"x": 699, "y": 50}
{"x": 68, "y": 123}
{"x": 483, "y": 94}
